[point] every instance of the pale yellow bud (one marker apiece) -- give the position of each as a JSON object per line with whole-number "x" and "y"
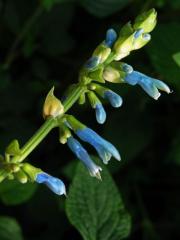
{"x": 111, "y": 75}
{"x": 123, "y": 46}
{"x": 52, "y": 105}
{"x": 102, "y": 52}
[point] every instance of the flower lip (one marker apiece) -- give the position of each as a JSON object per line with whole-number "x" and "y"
{"x": 53, "y": 183}
{"x": 82, "y": 154}
{"x": 148, "y": 84}
{"x": 104, "y": 148}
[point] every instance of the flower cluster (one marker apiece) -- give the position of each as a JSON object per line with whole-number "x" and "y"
{"x": 103, "y": 66}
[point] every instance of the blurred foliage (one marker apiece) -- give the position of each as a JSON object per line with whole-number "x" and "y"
{"x": 44, "y": 43}
{"x": 9, "y": 229}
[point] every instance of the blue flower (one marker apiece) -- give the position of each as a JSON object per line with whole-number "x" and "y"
{"x": 111, "y": 37}
{"x": 92, "y": 62}
{"x": 148, "y": 84}
{"x": 100, "y": 113}
{"x": 104, "y": 148}
{"x": 114, "y": 99}
{"x": 55, "y": 184}
{"x": 82, "y": 154}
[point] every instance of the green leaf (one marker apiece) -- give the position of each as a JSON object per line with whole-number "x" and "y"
{"x": 103, "y": 8}
{"x": 165, "y": 42}
{"x": 176, "y": 58}
{"x": 13, "y": 192}
{"x": 9, "y": 229}
{"x": 95, "y": 208}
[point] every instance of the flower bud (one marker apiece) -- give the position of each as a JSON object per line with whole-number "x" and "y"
{"x": 97, "y": 105}
{"x": 111, "y": 36}
{"x": 146, "y": 21}
{"x": 21, "y": 176}
{"x": 52, "y": 105}
{"x": 82, "y": 99}
{"x": 141, "y": 41}
{"x": 123, "y": 46}
{"x": 110, "y": 74}
{"x": 102, "y": 52}
{"x": 115, "y": 72}
{"x": 64, "y": 133}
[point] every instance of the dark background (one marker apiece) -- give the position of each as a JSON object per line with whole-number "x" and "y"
{"x": 42, "y": 45}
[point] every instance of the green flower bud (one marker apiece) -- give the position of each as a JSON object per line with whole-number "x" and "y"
{"x": 114, "y": 73}
{"x": 82, "y": 99}
{"x": 93, "y": 99}
{"x": 64, "y": 133}
{"x": 52, "y": 105}
{"x": 102, "y": 52}
{"x": 111, "y": 75}
{"x": 124, "y": 44}
{"x": 146, "y": 21}
{"x": 21, "y": 176}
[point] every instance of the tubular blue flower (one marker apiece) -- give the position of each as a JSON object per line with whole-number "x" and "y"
{"x": 82, "y": 154}
{"x": 114, "y": 99}
{"x": 53, "y": 183}
{"x": 92, "y": 62}
{"x": 100, "y": 113}
{"x": 111, "y": 37}
{"x": 148, "y": 84}
{"x": 104, "y": 148}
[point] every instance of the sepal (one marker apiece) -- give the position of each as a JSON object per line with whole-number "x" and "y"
{"x": 52, "y": 105}
{"x": 13, "y": 148}
{"x": 146, "y": 21}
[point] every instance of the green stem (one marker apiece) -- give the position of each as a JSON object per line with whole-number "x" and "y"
{"x": 73, "y": 97}
{"x": 48, "y": 125}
